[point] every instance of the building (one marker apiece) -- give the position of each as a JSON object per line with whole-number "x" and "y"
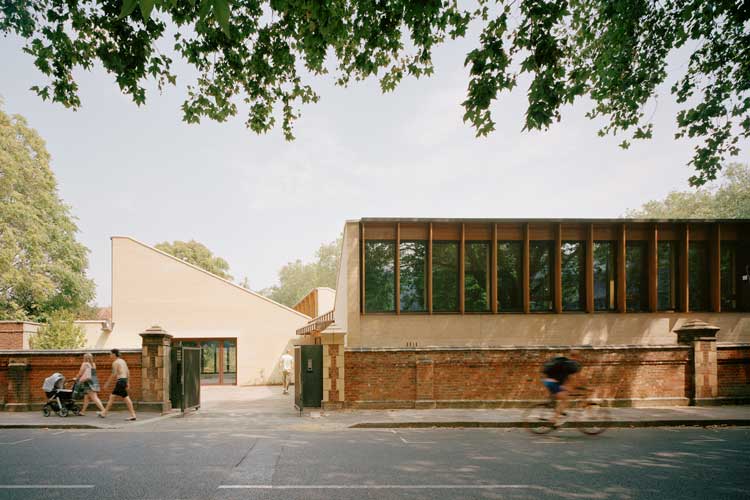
{"x": 457, "y": 312}
{"x": 242, "y": 334}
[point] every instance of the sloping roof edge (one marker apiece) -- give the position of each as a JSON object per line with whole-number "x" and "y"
{"x": 255, "y": 294}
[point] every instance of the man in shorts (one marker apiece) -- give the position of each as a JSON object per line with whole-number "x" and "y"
{"x": 557, "y": 372}
{"x": 120, "y": 374}
{"x": 286, "y": 362}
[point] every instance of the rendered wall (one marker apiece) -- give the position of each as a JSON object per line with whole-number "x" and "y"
{"x": 538, "y": 329}
{"x": 150, "y": 287}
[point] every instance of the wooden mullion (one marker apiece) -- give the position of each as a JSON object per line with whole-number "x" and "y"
{"x": 461, "y": 269}
{"x": 684, "y": 271}
{"x": 397, "y": 268}
{"x": 621, "y": 286}
{"x": 557, "y": 272}
{"x": 653, "y": 252}
{"x": 715, "y": 269}
{"x": 429, "y": 269}
{"x": 493, "y": 271}
{"x": 526, "y": 284}
{"x": 590, "y": 270}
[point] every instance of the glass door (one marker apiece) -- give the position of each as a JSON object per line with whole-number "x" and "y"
{"x": 218, "y": 360}
{"x": 229, "y": 372}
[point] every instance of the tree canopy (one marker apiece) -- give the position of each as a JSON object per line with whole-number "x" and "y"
{"x": 42, "y": 266}
{"x": 260, "y": 55}
{"x": 197, "y": 254}
{"x": 728, "y": 199}
{"x": 60, "y": 332}
{"x": 297, "y": 278}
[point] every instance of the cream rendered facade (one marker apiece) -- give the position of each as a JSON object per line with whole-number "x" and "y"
{"x": 150, "y": 287}
{"x": 388, "y": 330}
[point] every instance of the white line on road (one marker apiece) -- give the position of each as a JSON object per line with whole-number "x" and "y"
{"x": 45, "y": 486}
{"x": 17, "y": 442}
{"x": 377, "y": 486}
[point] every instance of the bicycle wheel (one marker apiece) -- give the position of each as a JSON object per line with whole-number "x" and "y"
{"x": 538, "y": 418}
{"x": 593, "y": 419}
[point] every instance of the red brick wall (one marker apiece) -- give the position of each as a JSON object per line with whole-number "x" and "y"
{"x": 734, "y": 371}
{"x": 45, "y": 363}
{"x": 511, "y": 377}
{"x": 11, "y": 335}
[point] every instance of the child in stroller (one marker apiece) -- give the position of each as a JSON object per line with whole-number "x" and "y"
{"x": 59, "y": 399}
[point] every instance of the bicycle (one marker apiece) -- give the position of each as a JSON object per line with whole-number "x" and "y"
{"x": 583, "y": 413}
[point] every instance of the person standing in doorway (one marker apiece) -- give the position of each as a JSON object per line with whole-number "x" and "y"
{"x": 120, "y": 373}
{"x": 287, "y": 363}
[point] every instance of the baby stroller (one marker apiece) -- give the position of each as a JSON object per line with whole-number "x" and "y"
{"x": 59, "y": 399}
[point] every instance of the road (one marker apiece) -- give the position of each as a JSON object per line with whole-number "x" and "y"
{"x": 171, "y": 462}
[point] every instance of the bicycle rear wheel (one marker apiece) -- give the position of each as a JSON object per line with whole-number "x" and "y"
{"x": 594, "y": 419}
{"x": 539, "y": 418}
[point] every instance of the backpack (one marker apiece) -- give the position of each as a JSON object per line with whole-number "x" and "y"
{"x": 570, "y": 365}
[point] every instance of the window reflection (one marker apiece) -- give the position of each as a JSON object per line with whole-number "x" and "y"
{"x": 573, "y": 278}
{"x": 509, "y": 275}
{"x": 380, "y": 280}
{"x": 477, "y": 276}
{"x": 540, "y": 275}
{"x": 605, "y": 276}
{"x": 667, "y": 275}
{"x": 445, "y": 276}
{"x": 413, "y": 277}
{"x": 698, "y": 276}
{"x": 636, "y": 292}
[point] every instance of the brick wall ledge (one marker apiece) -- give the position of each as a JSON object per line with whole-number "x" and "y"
{"x": 732, "y": 345}
{"x": 57, "y": 352}
{"x": 667, "y": 347}
{"x": 521, "y": 403}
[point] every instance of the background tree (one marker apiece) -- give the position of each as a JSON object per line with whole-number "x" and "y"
{"x": 258, "y": 53}
{"x": 197, "y": 254}
{"x": 42, "y": 266}
{"x": 728, "y": 199}
{"x": 59, "y": 333}
{"x": 297, "y": 278}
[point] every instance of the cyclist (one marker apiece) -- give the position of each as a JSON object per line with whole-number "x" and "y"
{"x": 557, "y": 371}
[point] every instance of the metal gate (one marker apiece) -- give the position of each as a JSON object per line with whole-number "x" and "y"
{"x": 185, "y": 377}
{"x": 308, "y": 376}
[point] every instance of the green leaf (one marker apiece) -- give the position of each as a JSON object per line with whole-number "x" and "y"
{"x": 128, "y": 6}
{"x": 146, "y": 7}
{"x": 221, "y": 12}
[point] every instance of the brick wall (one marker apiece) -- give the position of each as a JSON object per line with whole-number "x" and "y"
{"x": 734, "y": 371}
{"x": 44, "y": 363}
{"x": 407, "y": 378}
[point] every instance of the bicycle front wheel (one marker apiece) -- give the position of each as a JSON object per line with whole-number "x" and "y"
{"x": 538, "y": 418}
{"x": 594, "y": 419}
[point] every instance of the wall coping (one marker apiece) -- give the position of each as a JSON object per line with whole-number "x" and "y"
{"x": 527, "y": 348}
{"x": 57, "y": 352}
{"x": 730, "y": 345}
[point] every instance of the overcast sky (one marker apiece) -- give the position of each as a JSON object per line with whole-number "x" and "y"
{"x": 259, "y": 201}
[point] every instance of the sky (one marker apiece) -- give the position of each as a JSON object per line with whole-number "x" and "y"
{"x": 260, "y": 202}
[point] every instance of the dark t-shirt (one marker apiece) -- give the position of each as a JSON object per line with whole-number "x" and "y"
{"x": 560, "y": 368}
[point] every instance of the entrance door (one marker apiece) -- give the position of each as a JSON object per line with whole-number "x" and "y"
{"x": 218, "y": 364}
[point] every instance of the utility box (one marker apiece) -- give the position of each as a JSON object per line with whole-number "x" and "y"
{"x": 308, "y": 376}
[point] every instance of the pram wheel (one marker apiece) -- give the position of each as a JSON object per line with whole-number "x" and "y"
{"x": 76, "y": 411}
{"x": 46, "y": 411}
{"x": 63, "y": 412}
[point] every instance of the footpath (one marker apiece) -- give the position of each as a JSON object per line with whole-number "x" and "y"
{"x": 267, "y": 408}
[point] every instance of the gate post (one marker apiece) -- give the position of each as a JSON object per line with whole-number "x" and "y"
{"x": 705, "y": 381}
{"x": 156, "y": 346}
{"x": 18, "y": 397}
{"x": 333, "y": 371}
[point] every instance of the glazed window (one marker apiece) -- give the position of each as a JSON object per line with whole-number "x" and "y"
{"x": 698, "y": 276}
{"x": 380, "y": 280}
{"x": 636, "y": 291}
{"x": 509, "y": 275}
{"x": 667, "y": 275}
{"x": 445, "y": 276}
{"x": 605, "y": 276}
{"x": 413, "y": 277}
{"x": 728, "y": 276}
{"x": 540, "y": 276}
{"x": 573, "y": 255}
{"x": 477, "y": 276}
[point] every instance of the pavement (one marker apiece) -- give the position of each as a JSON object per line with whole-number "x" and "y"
{"x": 266, "y": 407}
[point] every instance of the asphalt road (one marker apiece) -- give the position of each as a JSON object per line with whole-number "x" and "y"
{"x": 379, "y": 464}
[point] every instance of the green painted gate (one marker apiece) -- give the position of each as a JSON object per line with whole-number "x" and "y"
{"x": 185, "y": 377}
{"x": 308, "y": 376}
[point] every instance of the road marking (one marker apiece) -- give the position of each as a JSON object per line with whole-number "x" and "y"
{"x": 21, "y": 441}
{"x": 45, "y": 486}
{"x": 378, "y": 486}
{"x": 410, "y": 442}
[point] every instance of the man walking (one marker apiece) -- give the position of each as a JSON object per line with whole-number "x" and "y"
{"x": 120, "y": 373}
{"x": 286, "y": 362}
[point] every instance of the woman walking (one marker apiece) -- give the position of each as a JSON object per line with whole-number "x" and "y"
{"x": 87, "y": 383}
